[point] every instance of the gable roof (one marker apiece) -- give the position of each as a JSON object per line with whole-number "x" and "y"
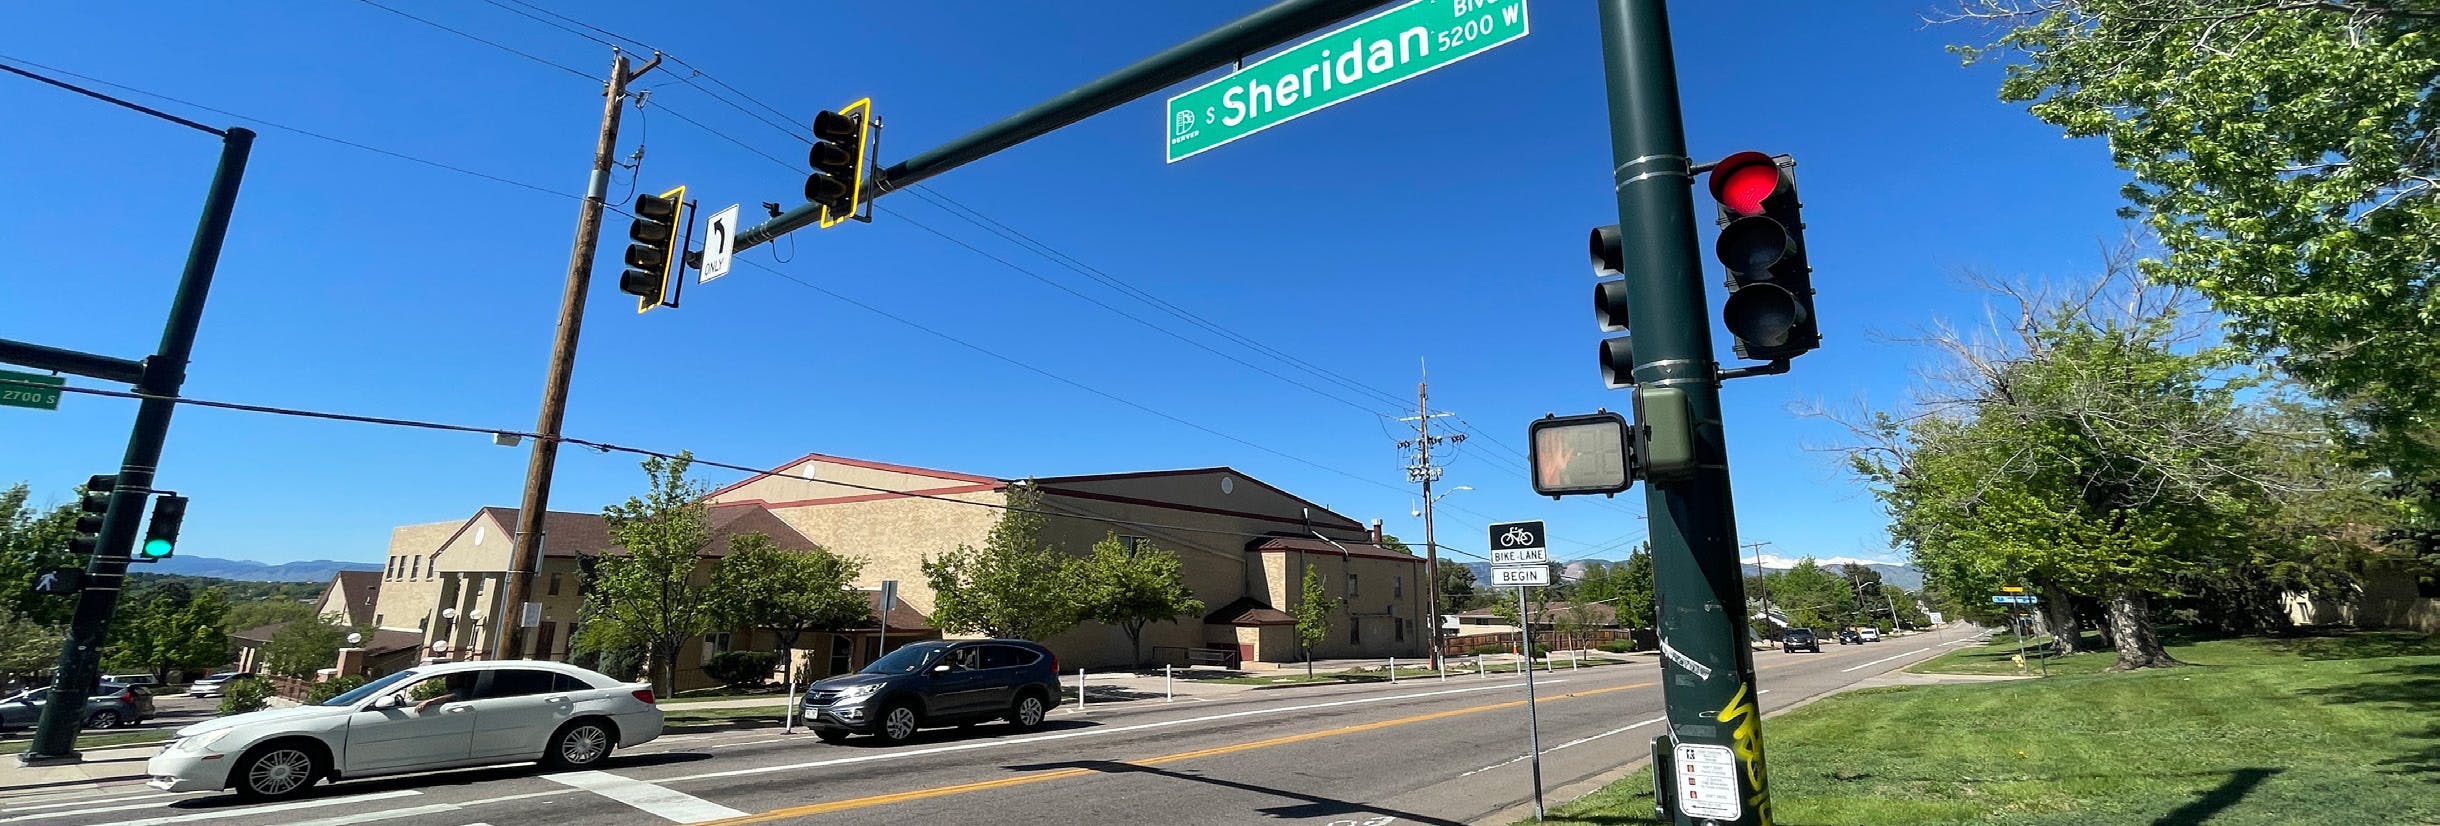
{"x": 947, "y": 475}
{"x": 1248, "y": 611}
{"x": 1322, "y": 516}
{"x": 356, "y": 591}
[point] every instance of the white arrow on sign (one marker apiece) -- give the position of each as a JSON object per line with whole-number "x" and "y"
{"x": 719, "y": 239}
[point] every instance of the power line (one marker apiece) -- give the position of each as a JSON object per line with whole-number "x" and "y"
{"x": 607, "y": 447}
{"x": 598, "y": 33}
{"x": 479, "y": 39}
{"x": 1065, "y": 380}
{"x": 108, "y": 99}
{"x": 301, "y": 131}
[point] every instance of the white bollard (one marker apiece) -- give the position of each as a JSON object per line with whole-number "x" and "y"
{"x": 1393, "y": 671}
{"x": 1166, "y": 695}
{"x": 1479, "y": 671}
{"x": 1080, "y": 691}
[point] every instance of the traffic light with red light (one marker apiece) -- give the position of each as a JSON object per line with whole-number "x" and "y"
{"x": 91, "y": 509}
{"x": 652, "y": 251}
{"x": 841, "y": 145}
{"x": 1770, "y": 284}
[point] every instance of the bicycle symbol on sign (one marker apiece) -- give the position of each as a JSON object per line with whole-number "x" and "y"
{"x": 1517, "y": 537}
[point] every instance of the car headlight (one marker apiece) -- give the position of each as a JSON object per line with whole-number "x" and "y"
{"x": 200, "y": 742}
{"x": 857, "y": 692}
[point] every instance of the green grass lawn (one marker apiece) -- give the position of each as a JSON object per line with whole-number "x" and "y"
{"x": 17, "y": 745}
{"x": 2342, "y": 729}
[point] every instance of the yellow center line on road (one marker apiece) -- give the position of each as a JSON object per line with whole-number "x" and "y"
{"x": 1062, "y": 774}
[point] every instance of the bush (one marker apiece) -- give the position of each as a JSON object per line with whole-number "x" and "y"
{"x": 1618, "y": 646}
{"x": 741, "y": 669}
{"x": 332, "y": 688}
{"x": 241, "y": 696}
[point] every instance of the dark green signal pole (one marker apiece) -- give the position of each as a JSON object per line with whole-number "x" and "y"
{"x": 1707, "y": 670}
{"x": 159, "y": 377}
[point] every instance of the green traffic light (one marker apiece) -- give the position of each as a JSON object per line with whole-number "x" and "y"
{"x": 157, "y": 548}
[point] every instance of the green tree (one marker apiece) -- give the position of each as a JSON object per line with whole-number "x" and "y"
{"x": 1014, "y": 587}
{"x": 655, "y": 595}
{"x": 169, "y": 629}
{"x": 33, "y": 541}
{"x": 788, "y": 593}
{"x": 1313, "y": 609}
{"x": 304, "y": 647}
{"x": 246, "y": 615}
{"x": 1456, "y": 582}
{"x": 2283, "y": 154}
{"x": 1392, "y": 543}
{"x": 26, "y": 646}
{"x": 1131, "y": 587}
{"x": 1638, "y": 602}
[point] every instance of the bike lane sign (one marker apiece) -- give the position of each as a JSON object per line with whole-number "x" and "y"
{"x": 1516, "y": 536}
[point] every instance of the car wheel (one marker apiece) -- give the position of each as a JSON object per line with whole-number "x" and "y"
{"x": 898, "y": 724}
{"x": 830, "y": 735}
{"x": 276, "y": 771}
{"x": 104, "y": 718}
{"x": 578, "y": 745}
{"x": 1027, "y": 715}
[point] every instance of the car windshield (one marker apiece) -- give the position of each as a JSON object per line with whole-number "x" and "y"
{"x": 906, "y": 660}
{"x": 357, "y": 694}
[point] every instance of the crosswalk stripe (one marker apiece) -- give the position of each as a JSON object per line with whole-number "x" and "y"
{"x": 240, "y": 811}
{"x": 86, "y": 801}
{"x": 387, "y": 814}
{"x": 669, "y": 804}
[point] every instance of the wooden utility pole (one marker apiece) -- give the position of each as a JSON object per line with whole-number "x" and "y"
{"x": 528, "y": 555}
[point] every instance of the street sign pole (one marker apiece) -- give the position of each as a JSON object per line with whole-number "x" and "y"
{"x": 1707, "y": 669}
{"x": 1533, "y": 720}
{"x": 164, "y": 373}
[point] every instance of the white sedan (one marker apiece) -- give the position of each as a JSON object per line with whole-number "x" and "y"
{"x": 428, "y": 717}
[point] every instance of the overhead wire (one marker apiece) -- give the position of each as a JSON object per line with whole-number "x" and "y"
{"x": 487, "y": 42}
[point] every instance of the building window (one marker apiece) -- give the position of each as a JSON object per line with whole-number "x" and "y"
{"x": 433, "y": 571}
{"x": 1397, "y": 587}
{"x": 1133, "y": 543}
{"x": 554, "y": 584}
{"x": 1400, "y": 627}
{"x": 1351, "y": 583}
{"x": 1355, "y": 630}
{"x": 416, "y": 564}
{"x": 714, "y": 644}
{"x": 376, "y": 620}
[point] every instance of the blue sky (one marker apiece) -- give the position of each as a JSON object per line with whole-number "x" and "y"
{"x": 1440, "y": 221}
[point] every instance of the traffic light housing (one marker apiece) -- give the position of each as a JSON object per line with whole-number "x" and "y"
{"x": 653, "y": 246}
{"x": 161, "y": 534}
{"x": 842, "y": 141}
{"x": 1770, "y": 285}
{"x": 91, "y": 510}
{"x": 1610, "y": 307}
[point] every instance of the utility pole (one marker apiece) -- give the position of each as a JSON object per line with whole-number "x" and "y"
{"x": 1707, "y": 670}
{"x": 1424, "y": 472}
{"x": 527, "y": 557}
{"x": 1762, "y": 584}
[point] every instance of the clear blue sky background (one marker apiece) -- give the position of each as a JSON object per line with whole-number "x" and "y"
{"x": 1441, "y": 220}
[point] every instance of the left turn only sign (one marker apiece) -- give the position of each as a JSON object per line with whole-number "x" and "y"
{"x": 719, "y": 239}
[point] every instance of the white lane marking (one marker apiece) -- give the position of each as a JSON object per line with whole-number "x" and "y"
{"x": 92, "y": 811}
{"x": 1883, "y": 660}
{"x": 85, "y": 801}
{"x": 385, "y": 814}
{"x": 1088, "y": 732}
{"x": 1576, "y": 742}
{"x": 239, "y": 811}
{"x": 667, "y": 804}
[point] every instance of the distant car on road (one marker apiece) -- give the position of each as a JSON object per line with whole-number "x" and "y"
{"x": 213, "y": 685}
{"x": 1799, "y": 638}
{"x": 114, "y": 705}
{"x": 937, "y": 683}
{"x": 147, "y": 681}
{"x": 1848, "y": 636}
{"x": 424, "y": 718}
{"x": 1870, "y": 634}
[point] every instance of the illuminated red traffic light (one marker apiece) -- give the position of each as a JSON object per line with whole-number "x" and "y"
{"x": 1747, "y": 182}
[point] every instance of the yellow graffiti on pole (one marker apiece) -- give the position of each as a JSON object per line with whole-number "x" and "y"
{"x": 1746, "y": 739}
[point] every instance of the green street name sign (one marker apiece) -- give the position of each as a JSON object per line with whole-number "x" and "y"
{"x": 16, "y": 392}
{"x": 1359, "y": 57}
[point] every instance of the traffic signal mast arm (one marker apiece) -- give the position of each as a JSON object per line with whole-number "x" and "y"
{"x": 1274, "y": 25}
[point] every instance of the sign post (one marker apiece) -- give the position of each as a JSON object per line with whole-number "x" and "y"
{"x": 1520, "y": 556}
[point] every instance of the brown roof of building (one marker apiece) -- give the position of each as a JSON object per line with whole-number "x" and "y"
{"x": 567, "y": 534}
{"x": 1322, "y": 516}
{"x": 564, "y": 533}
{"x": 1284, "y": 544}
{"x": 1248, "y": 611}
{"x": 357, "y": 590}
{"x": 388, "y": 641}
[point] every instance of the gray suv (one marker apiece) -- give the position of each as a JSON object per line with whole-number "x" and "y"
{"x": 112, "y": 705}
{"x": 937, "y": 683}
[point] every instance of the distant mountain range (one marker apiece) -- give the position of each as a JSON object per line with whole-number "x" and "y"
{"x": 314, "y": 570}
{"x": 1902, "y": 576}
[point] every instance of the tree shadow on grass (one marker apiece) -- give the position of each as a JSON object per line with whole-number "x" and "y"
{"x": 2413, "y": 688}
{"x": 2201, "y": 809}
{"x": 2359, "y": 645}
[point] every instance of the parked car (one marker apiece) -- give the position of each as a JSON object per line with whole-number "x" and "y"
{"x": 1848, "y": 636}
{"x": 937, "y": 683}
{"x": 213, "y": 685}
{"x": 147, "y": 681}
{"x": 429, "y": 717}
{"x": 1799, "y": 638}
{"x": 113, "y": 705}
{"x": 1870, "y": 634}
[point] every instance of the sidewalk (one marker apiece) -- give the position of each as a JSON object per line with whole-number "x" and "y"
{"x": 114, "y": 765}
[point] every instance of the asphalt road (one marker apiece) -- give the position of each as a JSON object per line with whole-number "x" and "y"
{"x": 1427, "y": 752}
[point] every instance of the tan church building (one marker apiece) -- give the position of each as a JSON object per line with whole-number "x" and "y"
{"x": 1243, "y": 545}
